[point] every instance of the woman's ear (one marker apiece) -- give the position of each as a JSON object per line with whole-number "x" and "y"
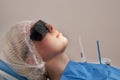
{"x": 30, "y": 60}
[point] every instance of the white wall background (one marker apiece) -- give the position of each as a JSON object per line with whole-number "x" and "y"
{"x": 92, "y": 19}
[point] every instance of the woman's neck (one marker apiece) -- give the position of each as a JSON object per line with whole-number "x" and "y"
{"x": 56, "y": 66}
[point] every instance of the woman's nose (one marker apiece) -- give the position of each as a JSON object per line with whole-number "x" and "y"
{"x": 50, "y": 27}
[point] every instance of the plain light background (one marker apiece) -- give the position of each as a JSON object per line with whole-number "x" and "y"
{"x": 91, "y": 19}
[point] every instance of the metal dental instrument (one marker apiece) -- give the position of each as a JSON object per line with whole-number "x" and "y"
{"x": 98, "y": 48}
{"x": 82, "y": 51}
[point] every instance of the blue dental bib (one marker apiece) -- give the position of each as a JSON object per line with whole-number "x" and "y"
{"x": 89, "y": 71}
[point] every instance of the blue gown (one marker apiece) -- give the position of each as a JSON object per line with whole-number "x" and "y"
{"x": 89, "y": 71}
{"x": 77, "y": 71}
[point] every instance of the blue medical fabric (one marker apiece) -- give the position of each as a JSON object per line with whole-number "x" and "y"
{"x": 89, "y": 71}
{"x": 8, "y": 70}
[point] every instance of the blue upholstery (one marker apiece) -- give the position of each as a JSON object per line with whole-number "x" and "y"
{"x": 4, "y": 67}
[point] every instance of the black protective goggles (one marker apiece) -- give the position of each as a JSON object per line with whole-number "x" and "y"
{"x": 39, "y": 31}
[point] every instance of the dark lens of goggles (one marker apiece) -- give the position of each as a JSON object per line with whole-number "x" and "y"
{"x": 39, "y": 31}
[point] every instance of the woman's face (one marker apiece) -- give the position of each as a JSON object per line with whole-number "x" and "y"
{"x": 52, "y": 44}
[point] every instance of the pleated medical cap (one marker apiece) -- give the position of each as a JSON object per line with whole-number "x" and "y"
{"x": 20, "y": 53}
